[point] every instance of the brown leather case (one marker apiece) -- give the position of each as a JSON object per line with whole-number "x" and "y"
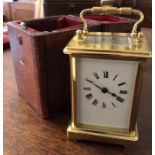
{"x": 41, "y": 68}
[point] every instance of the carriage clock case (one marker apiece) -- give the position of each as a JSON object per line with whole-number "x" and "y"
{"x": 106, "y": 76}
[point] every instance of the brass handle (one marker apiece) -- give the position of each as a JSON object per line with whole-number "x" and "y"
{"x": 106, "y": 10}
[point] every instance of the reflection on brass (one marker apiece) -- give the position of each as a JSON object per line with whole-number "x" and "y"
{"x": 79, "y": 34}
{"x": 107, "y": 45}
{"x": 137, "y": 49}
{"x": 117, "y": 131}
{"x": 74, "y": 133}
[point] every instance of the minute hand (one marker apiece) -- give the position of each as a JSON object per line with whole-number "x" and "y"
{"x": 93, "y": 83}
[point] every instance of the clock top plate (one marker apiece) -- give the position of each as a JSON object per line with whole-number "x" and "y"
{"x": 107, "y": 43}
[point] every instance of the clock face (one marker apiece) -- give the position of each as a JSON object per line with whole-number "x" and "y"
{"x": 105, "y": 90}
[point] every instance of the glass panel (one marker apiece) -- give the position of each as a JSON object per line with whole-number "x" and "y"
{"x": 113, "y": 40}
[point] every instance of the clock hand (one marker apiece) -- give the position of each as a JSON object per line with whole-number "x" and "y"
{"x": 93, "y": 83}
{"x": 117, "y": 97}
{"x": 112, "y": 94}
{"x": 105, "y": 90}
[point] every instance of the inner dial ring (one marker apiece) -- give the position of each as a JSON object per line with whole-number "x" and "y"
{"x": 105, "y": 89}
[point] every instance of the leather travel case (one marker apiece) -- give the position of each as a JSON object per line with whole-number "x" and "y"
{"x": 41, "y": 69}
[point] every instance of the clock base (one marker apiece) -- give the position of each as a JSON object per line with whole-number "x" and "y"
{"x": 78, "y": 134}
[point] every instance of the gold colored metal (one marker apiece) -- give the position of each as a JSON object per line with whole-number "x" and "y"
{"x": 113, "y": 10}
{"x": 100, "y": 45}
{"x": 74, "y": 133}
{"x": 93, "y": 128}
{"x": 139, "y": 49}
{"x": 73, "y": 84}
{"x": 91, "y": 132}
{"x": 117, "y": 131}
{"x": 79, "y": 35}
{"x": 140, "y": 37}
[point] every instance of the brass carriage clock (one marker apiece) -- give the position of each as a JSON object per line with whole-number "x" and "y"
{"x": 106, "y": 77}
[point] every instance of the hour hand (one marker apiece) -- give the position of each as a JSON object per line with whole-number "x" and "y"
{"x": 118, "y": 98}
{"x": 93, "y": 83}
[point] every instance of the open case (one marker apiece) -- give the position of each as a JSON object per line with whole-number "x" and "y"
{"x": 41, "y": 68}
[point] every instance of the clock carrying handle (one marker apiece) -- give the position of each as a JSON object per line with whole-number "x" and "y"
{"x": 107, "y": 10}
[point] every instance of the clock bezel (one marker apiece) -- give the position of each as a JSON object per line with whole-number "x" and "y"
{"x": 136, "y": 97}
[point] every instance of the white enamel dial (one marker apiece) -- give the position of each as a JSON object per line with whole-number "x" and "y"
{"x": 105, "y": 90}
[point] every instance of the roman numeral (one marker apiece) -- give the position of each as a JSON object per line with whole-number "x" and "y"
{"x": 115, "y": 77}
{"x": 106, "y": 74}
{"x": 103, "y": 105}
{"x": 122, "y": 83}
{"x": 113, "y": 105}
{"x": 87, "y": 88}
{"x": 89, "y": 96}
{"x": 120, "y": 99}
{"x": 95, "y": 102}
{"x": 123, "y": 92}
{"x": 96, "y": 75}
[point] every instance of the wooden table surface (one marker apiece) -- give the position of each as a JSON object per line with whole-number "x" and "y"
{"x": 27, "y": 134}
